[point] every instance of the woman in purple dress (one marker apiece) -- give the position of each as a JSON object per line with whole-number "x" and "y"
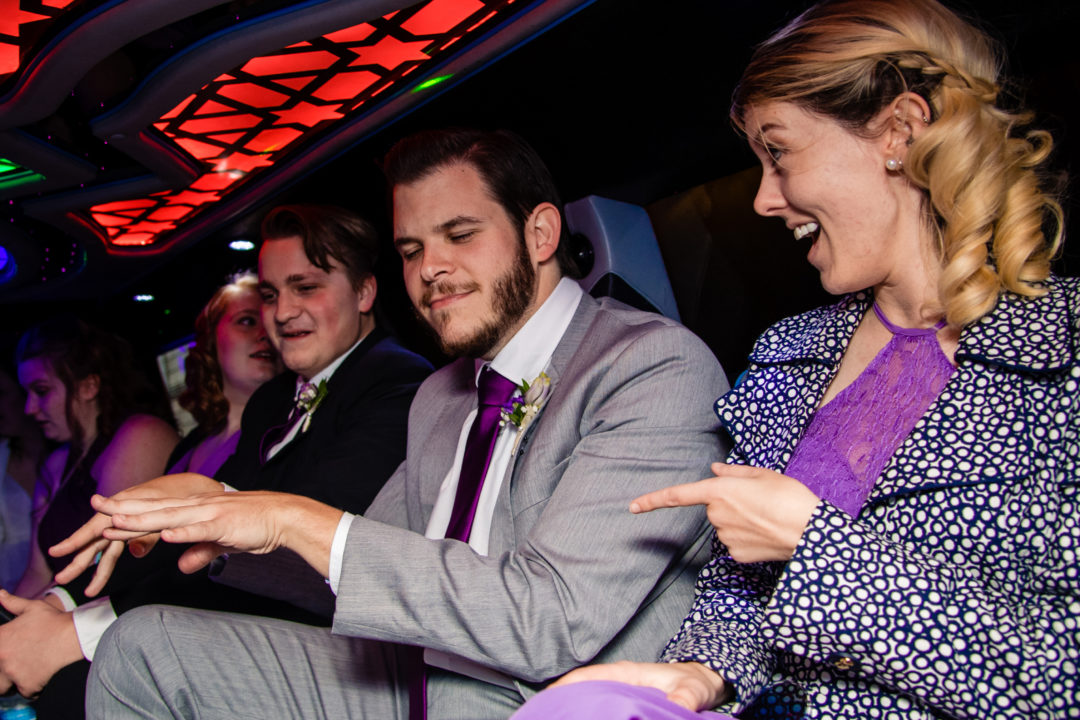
{"x": 897, "y": 526}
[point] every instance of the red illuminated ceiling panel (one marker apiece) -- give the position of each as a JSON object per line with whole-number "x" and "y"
{"x": 249, "y": 118}
{"x": 22, "y": 21}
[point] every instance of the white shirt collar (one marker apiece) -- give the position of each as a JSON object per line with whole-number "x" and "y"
{"x": 526, "y": 355}
{"x": 327, "y": 371}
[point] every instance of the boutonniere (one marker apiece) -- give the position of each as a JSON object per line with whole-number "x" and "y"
{"x": 522, "y": 410}
{"x": 309, "y": 399}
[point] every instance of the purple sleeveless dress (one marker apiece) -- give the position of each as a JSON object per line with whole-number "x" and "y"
{"x": 844, "y": 449}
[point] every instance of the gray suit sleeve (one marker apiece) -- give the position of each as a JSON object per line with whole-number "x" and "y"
{"x": 583, "y": 566}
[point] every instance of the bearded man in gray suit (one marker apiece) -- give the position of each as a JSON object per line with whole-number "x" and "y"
{"x": 507, "y": 571}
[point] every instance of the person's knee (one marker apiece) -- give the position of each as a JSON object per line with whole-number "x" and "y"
{"x": 132, "y": 631}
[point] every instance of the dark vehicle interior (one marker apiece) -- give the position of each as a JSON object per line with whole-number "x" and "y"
{"x": 141, "y": 140}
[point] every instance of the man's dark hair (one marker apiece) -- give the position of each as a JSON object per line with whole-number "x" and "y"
{"x": 327, "y": 232}
{"x": 515, "y": 175}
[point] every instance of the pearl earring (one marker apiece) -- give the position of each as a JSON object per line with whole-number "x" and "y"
{"x": 894, "y": 164}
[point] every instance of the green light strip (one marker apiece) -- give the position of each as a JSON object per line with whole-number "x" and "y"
{"x": 13, "y": 175}
{"x": 432, "y": 82}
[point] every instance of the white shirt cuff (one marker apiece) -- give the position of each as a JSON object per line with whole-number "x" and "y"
{"x": 63, "y": 596}
{"x": 92, "y": 619}
{"x": 228, "y": 488}
{"x": 337, "y": 550}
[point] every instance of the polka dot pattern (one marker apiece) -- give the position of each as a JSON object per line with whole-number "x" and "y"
{"x": 956, "y": 592}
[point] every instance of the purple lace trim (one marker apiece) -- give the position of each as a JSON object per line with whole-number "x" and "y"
{"x": 851, "y": 438}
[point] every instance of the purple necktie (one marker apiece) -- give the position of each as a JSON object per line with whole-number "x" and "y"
{"x": 493, "y": 393}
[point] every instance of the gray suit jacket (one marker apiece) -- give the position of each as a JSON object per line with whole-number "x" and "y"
{"x": 571, "y": 575}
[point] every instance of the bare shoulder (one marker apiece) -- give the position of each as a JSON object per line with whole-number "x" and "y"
{"x": 141, "y": 433}
{"x": 137, "y": 452}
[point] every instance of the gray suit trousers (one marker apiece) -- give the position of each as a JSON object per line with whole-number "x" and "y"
{"x": 200, "y": 658}
{"x": 305, "y": 672}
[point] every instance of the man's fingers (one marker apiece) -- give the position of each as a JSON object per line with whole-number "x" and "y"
{"x": 88, "y": 533}
{"x": 697, "y": 493}
{"x": 199, "y": 556}
{"x": 13, "y": 603}
{"x": 105, "y": 567}
{"x": 140, "y": 506}
{"x": 139, "y": 517}
{"x": 82, "y": 560}
{"x": 142, "y": 545}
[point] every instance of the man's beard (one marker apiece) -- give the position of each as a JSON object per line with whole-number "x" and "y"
{"x": 512, "y": 293}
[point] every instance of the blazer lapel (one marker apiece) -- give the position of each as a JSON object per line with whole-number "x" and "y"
{"x": 796, "y": 360}
{"x": 441, "y": 440}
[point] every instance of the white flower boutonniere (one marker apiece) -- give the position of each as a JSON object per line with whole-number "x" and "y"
{"x": 309, "y": 399}
{"x": 522, "y": 410}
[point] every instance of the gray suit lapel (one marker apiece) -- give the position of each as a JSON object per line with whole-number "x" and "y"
{"x": 437, "y": 455}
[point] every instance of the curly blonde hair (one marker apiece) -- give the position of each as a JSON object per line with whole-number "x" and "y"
{"x": 204, "y": 391}
{"x": 848, "y": 59}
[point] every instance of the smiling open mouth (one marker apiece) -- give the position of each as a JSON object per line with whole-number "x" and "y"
{"x": 805, "y": 229}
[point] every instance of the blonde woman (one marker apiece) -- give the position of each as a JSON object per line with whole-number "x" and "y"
{"x": 897, "y": 524}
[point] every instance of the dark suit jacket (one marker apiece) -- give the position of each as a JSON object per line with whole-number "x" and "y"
{"x": 356, "y": 438}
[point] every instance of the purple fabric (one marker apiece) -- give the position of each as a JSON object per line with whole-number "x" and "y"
{"x": 851, "y": 438}
{"x": 607, "y": 700}
{"x": 493, "y": 393}
{"x": 210, "y": 464}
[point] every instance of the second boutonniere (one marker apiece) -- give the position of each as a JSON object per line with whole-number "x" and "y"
{"x": 521, "y": 411}
{"x": 309, "y": 399}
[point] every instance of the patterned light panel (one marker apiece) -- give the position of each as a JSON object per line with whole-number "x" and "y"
{"x": 246, "y": 120}
{"x": 20, "y": 23}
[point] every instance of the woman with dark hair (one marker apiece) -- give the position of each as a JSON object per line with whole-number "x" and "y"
{"x": 83, "y": 392}
{"x": 897, "y": 523}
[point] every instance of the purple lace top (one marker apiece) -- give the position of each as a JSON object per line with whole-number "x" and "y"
{"x": 851, "y": 438}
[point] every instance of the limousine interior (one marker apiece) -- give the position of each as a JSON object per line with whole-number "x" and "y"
{"x": 141, "y": 141}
